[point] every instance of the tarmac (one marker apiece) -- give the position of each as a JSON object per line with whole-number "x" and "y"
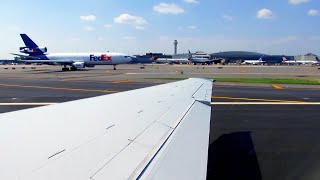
{"x": 257, "y": 131}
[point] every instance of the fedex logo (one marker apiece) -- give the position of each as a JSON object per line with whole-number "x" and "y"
{"x": 103, "y": 57}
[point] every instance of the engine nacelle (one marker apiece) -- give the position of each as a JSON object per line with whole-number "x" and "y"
{"x": 78, "y": 65}
{"x": 28, "y": 50}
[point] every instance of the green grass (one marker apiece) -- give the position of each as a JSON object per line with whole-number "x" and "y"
{"x": 306, "y": 81}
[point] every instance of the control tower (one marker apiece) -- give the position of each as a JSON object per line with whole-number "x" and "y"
{"x": 175, "y": 43}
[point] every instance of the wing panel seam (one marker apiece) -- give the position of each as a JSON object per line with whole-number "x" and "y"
{"x": 166, "y": 140}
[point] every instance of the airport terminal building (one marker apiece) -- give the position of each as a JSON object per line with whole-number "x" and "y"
{"x": 307, "y": 57}
{"x": 239, "y": 56}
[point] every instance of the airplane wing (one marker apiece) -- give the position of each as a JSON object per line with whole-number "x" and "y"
{"x": 65, "y": 61}
{"x": 25, "y": 56}
{"x": 37, "y": 60}
{"x": 159, "y": 132}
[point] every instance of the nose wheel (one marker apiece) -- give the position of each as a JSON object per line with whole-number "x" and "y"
{"x": 114, "y": 67}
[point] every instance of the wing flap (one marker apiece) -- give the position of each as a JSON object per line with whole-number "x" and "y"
{"x": 184, "y": 156}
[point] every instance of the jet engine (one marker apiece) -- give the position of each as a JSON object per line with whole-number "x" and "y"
{"x": 28, "y": 50}
{"x": 78, "y": 65}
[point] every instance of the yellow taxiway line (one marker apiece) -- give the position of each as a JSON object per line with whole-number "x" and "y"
{"x": 28, "y": 104}
{"x": 71, "y": 79}
{"x": 120, "y": 81}
{"x": 277, "y": 86}
{"x": 265, "y": 103}
{"x": 59, "y": 88}
{"x": 255, "y": 99}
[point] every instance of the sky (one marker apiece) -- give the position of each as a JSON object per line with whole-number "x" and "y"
{"x": 289, "y": 27}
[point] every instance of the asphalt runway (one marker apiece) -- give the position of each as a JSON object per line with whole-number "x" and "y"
{"x": 256, "y": 141}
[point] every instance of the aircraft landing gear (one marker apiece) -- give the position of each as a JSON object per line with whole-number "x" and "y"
{"x": 72, "y": 68}
{"x": 114, "y": 67}
{"x": 65, "y": 68}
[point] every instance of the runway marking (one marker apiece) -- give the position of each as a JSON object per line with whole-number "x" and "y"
{"x": 59, "y": 88}
{"x": 39, "y": 71}
{"x": 277, "y": 86}
{"x": 28, "y": 104}
{"x": 256, "y": 99}
{"x": 120, "y": 81}
{"x": 265, "y": 103}
{"x": 71, "y": 79}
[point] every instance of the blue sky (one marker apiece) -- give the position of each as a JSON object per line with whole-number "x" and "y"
{"x": 136, "y": 27}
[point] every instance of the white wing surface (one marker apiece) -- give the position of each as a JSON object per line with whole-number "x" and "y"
{"x": 160, "y": 132}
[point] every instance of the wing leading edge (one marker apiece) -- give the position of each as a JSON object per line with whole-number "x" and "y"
{"x": 160, "y": 132}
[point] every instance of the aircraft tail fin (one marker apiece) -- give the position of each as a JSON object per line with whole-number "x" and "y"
{"x": 260, "y": 59}
{"x": 153, "y": 57}
{"x": 190, "y": 55}
{"x": 284, "y": 59}
{"x": 28, "y": 42}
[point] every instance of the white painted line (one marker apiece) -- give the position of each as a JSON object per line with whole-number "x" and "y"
{"x": 265, "y": 103}
{"x": 27, "y": 104}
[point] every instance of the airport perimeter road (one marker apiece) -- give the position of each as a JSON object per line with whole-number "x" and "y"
{"x": 273, "y": 138}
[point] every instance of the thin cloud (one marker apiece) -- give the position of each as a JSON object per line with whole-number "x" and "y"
{"x": 108, "y": 26}
{"x": 165, "y": 8}
{"x": 100, "y": 39}
{"x": 265, "y": 14}
{"x": 89, "y": 28}
{"x": 129, "y": 38}
{"x": 136, "y": 21}
{"x": 75, "y": 39}
{"x": 191, "y": 1}
{"x": 285, "y": 40}
{"x": 313, "y": 12}
{"x": 227, "y": 17}
{"x": 297, "y": 2}
{"x": 192, "y": 27}
{"x": 88, "y": 18}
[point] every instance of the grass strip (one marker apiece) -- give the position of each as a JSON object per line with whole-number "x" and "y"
{"x": 305, "y": 81}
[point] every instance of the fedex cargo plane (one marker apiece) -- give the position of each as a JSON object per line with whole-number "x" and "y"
{"x": 35, "y": 54}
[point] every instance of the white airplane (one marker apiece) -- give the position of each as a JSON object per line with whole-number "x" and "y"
{"x": 305, "y": 62}
{"x": 170, "y": 60}
{"x": 36, "y": 54}
{"x": 199, "y": 60}
{"x": 286, "y": 61}
{"x": 159, "y": 132}
{"x": 188, "y": 60}
{"x": 254, "y": 62}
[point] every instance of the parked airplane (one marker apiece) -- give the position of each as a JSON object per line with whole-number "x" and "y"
{"x": 310, "y": 62}
{"x": 254, "y": 62}
{"x": 286, "y": 61}
{"x": 36, "y": 54}
{"x": 159, "y": 132}
{"x": 198, "y": 60}
{"x": 169, "y": 60}
{"x": 188, "y": 60}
